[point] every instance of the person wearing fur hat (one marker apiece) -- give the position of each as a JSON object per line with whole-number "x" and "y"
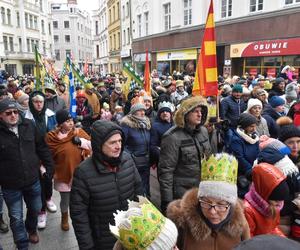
{"x": 182, "y": 149}
{"x": 136, "y": 128}
{"x": 254, "y": 107}
{"x": 211, "y": 216}
{"x": 277, "y": 153}
{"x": 63, "y": 142}
{"x": 45, "y": 121}
{"x": 101, "y": 185}
{"x": 232, "y": 106}
{"x": 162, "y": 124}
{"x": 147, "y": 227}
{"x": 263, "y": 202}
{"x": 179, "y": 94}
{"x": 52, "y": 100}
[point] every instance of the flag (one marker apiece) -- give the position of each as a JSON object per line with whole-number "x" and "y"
{"x": 147, "y": 86}
{"x": 72, "y": 92}
{"x": 133, "y": 74}
{"x": 206, "y": 76}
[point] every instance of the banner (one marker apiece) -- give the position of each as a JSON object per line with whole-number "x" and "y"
{"x": 147, "y": 84}
{"x": 72, "y": 92}
{"x": 206, "y": 75}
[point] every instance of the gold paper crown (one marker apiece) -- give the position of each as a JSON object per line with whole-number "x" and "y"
{"x": 139, "y": 229}
{"x": 220, "y": 167}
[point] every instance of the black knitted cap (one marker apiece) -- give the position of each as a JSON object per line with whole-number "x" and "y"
{"x": 288, "y": 131}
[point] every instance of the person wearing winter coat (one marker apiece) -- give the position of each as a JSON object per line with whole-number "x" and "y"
{"x": 254, "y": 107}
{"x": 84, "y": 111}
{"x": 244, "y": 145}
{"x": 277, "y": 88}
{"x": 149, "y": 112}
{"x": 211, "y": 217}
{"x": 182, "y": 149}
{"x": 117, "y": 97}
{"x": 263, "y": 202}
{"x": 92, "y": 100}
{"x": 101, "y": 185}
{"x": 52, "y": 100}
{"x": 66, "y": 141}
{"x": 161, "y": 125}
{"x": 136, "y": 128}
{"x": 179, "y": 94}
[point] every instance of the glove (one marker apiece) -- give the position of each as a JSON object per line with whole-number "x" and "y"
{"x": 79, "y": 117}
{"x": 76, "y": 140}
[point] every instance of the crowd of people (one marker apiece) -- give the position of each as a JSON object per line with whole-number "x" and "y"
{"x": 227, "y": 166}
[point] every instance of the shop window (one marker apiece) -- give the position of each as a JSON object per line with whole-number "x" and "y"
{"x": 28, "y": 68}
{"x": 256, "y": 5}
{"x": 226, "y": 9}
{"x": 272, "y": 61}
{"x": 11, "y": 69}
{"x": 252, "y": 61}
{"x": 163, "y": 68}
{"x": 291, "y": 60}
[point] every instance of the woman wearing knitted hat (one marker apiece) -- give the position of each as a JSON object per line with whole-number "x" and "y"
{"x": 244, "y": 146}
{"x": 64, "y": 142}
{"x": 142, "y": 226}
{"x": 254, "y": 107}
{"x": 211, "y": 217}
{"x": 265, "y": 199}
{"x": 136, "y": 128}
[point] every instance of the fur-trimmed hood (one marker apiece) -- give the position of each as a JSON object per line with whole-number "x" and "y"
{"x": 132, "y": 122}
{"x": 185, "y": 215}
{"x": 188, "y": 105}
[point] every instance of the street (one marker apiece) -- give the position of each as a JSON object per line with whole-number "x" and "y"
{"x": 53, "y": 238}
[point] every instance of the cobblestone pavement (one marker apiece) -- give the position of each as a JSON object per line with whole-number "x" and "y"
{"x": 53, "y": 238}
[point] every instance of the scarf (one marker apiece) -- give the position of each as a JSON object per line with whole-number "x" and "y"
{"x": 143, "y": 122}
{"x": 255, "y": 200}
{"x": 246, "y": 137}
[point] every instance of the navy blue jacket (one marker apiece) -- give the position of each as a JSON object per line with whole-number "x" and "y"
{"x": 244, "y": 152}
{"x": 271, "y": 116}
{"x": 231, "y": 110}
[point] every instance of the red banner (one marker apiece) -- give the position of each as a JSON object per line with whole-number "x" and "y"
{"x": 253, "y": 71}
{"x": 271, "y": 72}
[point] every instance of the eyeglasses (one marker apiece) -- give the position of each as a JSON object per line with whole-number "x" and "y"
{"x": 217, "y": 207}
{"x": 8, "y": 113}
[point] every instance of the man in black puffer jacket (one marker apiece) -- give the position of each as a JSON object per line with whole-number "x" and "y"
{"x": 102, "y": 184}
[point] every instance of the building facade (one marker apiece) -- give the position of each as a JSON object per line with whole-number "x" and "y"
{"x": 72, "y": 34}
{"x": 114, "y": 33}
{"x": 254, "y": 36}
{"x": 24, "y": 24}
{"x": 126, "y": 37}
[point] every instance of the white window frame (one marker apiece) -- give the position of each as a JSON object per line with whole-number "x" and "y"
{"x": 139, "y": 24}
{"x": 146, "y": 20}
{"x": 226, "y": 8}
{"x": 291, "y": 2}
{"x": 167, "y": 16}
{"x": 256, "y": 5}
{"x": 187, "y": 12}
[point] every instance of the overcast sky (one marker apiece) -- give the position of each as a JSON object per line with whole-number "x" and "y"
{"x": 88, "y": 4}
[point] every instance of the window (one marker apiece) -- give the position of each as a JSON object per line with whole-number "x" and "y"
{"x": 30, "y": 21}
{"x": 187, "y": 12}
{"x": 20, "y": 44}
{"x": 41, "y": 5}
{"x": 44, "y": 48}
{"x": 127, "y": 9}
{"x": 118, "y": 11}
{"x": 18, "y": 18}
{"x": 43, "y": 26}
{"x": 146, "y": 16}
{"x": 114, "y": 14}
{"x": 78, "y": 40}
{"x": 96, "y": 28}
{"x": 67, "y": 38}
{"x": 32, "y": 45}
{"x": 256, "y": 5}
{"x": 68, "y": 53}
{"x": 5, "y": 42}
{"x": 124, "y": 37}
{"x": 115, "y": 42}
{"x": 291, "y": 1}
{"x": 2, "y": 15}
{"x": 97, "y": 51}
{"x": 8, "y": 16}
{"x": 56, "y": 38}
{"x": 11, "y": 44}
{"x": 28, "y": 45}
{"x": 128, "y": 36}
{"x": 123, "y": 12}
{"x": 55, "y": 24}
{"x": 49, "y": 27}
{"x": 35, "y": 23}
{"x": 110, "y": 43}
{"x": 109, "y": 16}
{"x": 167, "y": 16}
{"x": 119, "y": 40}
{"x": 66, "y": 24}
{"x": 139, "y": 23}
{"x": 77, "y": 26}
{"x": 226, "y": 9}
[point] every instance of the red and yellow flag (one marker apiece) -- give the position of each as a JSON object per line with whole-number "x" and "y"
{"x": 147, "y": 86}
{"x": 206, "y": 75}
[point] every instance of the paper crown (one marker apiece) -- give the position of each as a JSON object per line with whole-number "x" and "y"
{"x": 141, "y": 227}
{"x": 168, "y": 105}
{"x": 220, "y": 167}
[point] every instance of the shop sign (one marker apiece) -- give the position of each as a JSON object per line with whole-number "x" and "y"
{"x": 141, "y": 57}
{"x": 125, "y": 53}
{"x": 227, "y": 62}
{"x": 271, "y": 72}
{"x": 266, "y": 48}
{"x": 188, "y": 54}
{"x": 253, "y": 71}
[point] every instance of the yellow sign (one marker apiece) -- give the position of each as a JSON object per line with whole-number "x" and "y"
{"x": 236, "y": 50}
{"x": 187, "y": 54}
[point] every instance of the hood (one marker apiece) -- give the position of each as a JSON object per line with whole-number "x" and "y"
{"x": 100, "y": 132}
{"x": 31, "y": 108}
{"x": 188, "y": 105}
{"x": 184, "y": 213}
{"x": 263, "y": 172}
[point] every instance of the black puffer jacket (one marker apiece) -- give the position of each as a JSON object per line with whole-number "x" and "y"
{"x": 98, "y": 192}
{"x": 20, "y": 156}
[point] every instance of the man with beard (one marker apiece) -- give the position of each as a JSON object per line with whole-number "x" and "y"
{"x": 102, "y": 184}
{"x": 23, "y": 149}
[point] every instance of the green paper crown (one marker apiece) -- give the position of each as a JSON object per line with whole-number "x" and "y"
{"x": 220, "y": 167}
{"x": 140, "y": 229}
